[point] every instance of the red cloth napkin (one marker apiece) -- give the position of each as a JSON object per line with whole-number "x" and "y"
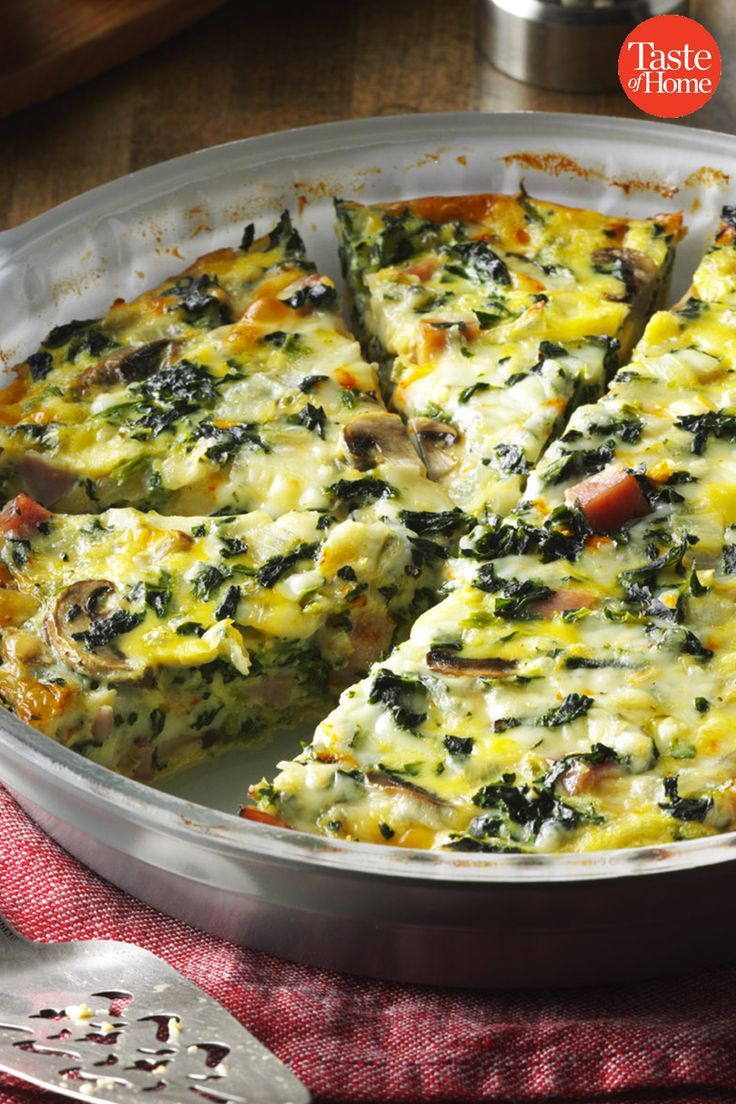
{"x": 353, "y": 1040}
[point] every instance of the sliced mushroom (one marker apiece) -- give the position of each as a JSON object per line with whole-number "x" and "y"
{"x": 630, "y": 265}
{"x": 434, "y": 441}
{"x": 371, "y": 438}
{"x": 76, "y": 611}
{"x": 45, "y": 482}
{"x": 387, "y": 780}
{"x": 124, "y": 366}
{"x": 446, "y": 662}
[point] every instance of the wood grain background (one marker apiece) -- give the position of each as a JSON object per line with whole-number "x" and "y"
{"x": 254, "y": 67}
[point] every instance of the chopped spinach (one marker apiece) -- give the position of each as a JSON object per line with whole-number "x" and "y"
{"x": 40, "y": 364}
{"x": 441, "y": 521}
{"x": 531, "y": 213}
{"x": 513, "y": 598}
{"x": 227, "y": 440}
{"x": 573, "y": 463}
{"x": 570, "y": 708}
{"x": 158, "y": 720}
{"x": 518, "y": 810}
{"x": 361, "y": 492}
{"x": 317, "y": 294}
{"x": 233, "y": 546}
{"x": 105, "y": 629}
{"x": 628, "y": 429}
{"x": 692, "y": 307}
{"x": 310, "y": 382}
{"x": 693, "y": 645}
{"x": 312, "y": 418}
{"x": 720, "y": 424}
{"x": 405, "y": 698}
{"x": 61, "y": 335}
{"x": 158, "y": 595}
{"x": 229, "y": 604}
{"x": 548, "y": 350}
{"x": 474, "y": 388}
{"x": 277, "y": 566}
{"x": 190, "y": 628}
{"x": 684, "y": 808}
{"x": 562, "y": 536}
{"x": 426, "y": 551}
{"x": 459, "y": 745}
{"x": 478, "y": 261}
{"x": 728, "y": 215}
{"x": 646, "y": 575}
{"x": 285, "y": 234}
{"x": 208, "y": 579}
{"x": 511, "y": 459}
{"x": 195, "y": 298}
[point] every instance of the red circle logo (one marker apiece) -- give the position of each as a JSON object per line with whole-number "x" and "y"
{"x": 669, "y": 66}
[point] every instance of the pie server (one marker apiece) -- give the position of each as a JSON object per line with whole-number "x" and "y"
{"x": 100, "y": 1020}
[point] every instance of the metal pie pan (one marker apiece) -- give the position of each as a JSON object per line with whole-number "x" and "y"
{"x": 412, "y": 916}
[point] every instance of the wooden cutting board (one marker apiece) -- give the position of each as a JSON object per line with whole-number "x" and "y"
{"x": 47, "y": 46}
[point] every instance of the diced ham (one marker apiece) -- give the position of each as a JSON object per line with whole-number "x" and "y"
{"x": 370, "y": 636}
{"x": 587, "y": 777}
{"x": 248, "y": 812}
{"x": 562, "y": 600}
{"x": 21, "y": 517}
{"x": 46, "y": 483}
{"x": 423, "y": 270}
{"x": 103, "y": 723}
{"x": 434, "y": 336}
{"x": 609, "y": 499}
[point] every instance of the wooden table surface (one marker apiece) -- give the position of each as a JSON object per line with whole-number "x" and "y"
{"x": 254, "y": 67}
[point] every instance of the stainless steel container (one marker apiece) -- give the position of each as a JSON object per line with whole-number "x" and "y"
{"x": 568, "y": 45}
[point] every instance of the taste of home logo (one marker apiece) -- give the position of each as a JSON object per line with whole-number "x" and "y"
{"x": 669, "y": 66}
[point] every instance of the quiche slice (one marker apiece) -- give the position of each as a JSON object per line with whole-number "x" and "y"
{"x": 575, "y": 690}
{"x": 146, "y": 641}
{"x": 232, "y": 388}
{"x": 715, "y": 278}
{"x": 657, "y": 449}
{"x": 493, "y": 316}
{"x": 540, "y": 709}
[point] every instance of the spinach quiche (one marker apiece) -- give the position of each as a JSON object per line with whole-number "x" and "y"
{"x": 493, "y": 316}
{"x": 230, "y": 388}
{"x": 146, "y": 641}
{"x": 574, "y": 690}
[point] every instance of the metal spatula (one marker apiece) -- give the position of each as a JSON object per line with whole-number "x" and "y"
{"x": 101, "y": 1021}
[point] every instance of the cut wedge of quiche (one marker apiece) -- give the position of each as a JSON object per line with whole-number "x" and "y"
{"x": 146, "y": 642}
{"x": 493, "y": 316}
{"x": 575, "y": 690}
{"x": 230, "y": 388}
